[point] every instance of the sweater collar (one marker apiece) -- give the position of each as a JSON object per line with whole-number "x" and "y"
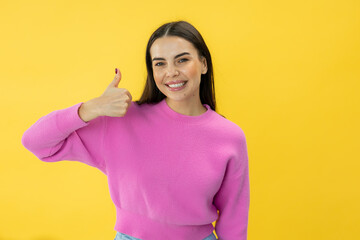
{"x": 164, "y": 107}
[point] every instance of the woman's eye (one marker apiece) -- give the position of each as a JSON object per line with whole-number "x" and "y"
{"x": 158, "y": 64}
{"x": 183, "y": 60}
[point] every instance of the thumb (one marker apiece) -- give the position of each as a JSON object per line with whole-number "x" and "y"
{"x": 115, "y": 82}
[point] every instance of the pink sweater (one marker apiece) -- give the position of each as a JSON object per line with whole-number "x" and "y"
{"x": 168, "y": 173}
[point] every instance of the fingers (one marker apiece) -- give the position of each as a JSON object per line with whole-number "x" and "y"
{"x": 128, "y": 93}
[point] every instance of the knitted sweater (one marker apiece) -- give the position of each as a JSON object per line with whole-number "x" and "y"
{"x": 170, "y": 175}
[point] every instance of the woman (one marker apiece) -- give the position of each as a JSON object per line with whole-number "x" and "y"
{"x": 173, "y": 164}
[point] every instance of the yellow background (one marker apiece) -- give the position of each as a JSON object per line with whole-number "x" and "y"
{"x": 287, "y": 72}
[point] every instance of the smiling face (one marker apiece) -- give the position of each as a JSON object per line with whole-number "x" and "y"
{"x": 176, "y": 60}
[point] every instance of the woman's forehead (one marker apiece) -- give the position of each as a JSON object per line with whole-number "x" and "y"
{"x": 170, "y": 46}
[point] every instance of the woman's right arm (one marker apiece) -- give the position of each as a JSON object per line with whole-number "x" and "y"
{"x": 76, "y": 133}
{"x": 63, "y": 135}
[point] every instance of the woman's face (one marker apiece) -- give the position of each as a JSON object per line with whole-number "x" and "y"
{"x": 175, "y": 60}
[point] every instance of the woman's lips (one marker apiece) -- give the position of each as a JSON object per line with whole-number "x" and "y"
{"x": 176, "y": 88}
{"x": 175, "y": 82}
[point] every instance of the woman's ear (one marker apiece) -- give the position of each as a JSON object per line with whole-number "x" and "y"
{"x": 203, "y": 65}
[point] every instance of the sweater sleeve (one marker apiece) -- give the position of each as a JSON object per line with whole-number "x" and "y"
{"x": 233, "y": 198}
{"x": 63, "y": 135}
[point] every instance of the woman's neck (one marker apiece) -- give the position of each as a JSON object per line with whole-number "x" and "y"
{"x": 193, "y": 108}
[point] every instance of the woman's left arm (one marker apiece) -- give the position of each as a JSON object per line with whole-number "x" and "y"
{"x": 233, "y": 198}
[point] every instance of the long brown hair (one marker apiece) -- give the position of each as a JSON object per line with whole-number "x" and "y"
{"x": 183, "y": 29}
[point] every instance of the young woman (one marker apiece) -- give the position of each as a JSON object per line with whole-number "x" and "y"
{"x": 174, "y": 165}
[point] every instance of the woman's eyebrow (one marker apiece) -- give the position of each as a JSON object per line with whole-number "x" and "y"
{"x": 179, "y": 55}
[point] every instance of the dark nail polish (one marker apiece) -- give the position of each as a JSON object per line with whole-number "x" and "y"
{"x": 116, "y": 70}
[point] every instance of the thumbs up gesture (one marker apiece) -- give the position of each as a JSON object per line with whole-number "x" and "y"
{"x": 114, "y": 102}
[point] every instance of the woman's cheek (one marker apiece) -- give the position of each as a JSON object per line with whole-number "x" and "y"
{"x": 191, "y": 70}
{"x": 157, "y": 76}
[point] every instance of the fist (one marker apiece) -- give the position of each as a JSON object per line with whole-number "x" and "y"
{"x": 114, "y": 102}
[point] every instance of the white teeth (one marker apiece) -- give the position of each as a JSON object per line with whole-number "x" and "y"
{"x": 177, "y": 85}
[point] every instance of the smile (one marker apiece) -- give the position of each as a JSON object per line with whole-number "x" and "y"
{"x": 176, "y": 87}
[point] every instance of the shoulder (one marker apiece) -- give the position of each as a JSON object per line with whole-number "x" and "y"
{"x": 231, "y": 137}
{"x": 228, "y": 128}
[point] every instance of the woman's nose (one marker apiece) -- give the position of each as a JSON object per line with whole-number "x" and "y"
{"x": 171, "y": 71}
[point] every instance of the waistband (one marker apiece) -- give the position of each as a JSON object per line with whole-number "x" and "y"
{"x": 144, "y": 228}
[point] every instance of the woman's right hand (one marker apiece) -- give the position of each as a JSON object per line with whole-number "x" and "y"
{"x": 114, "y": 102}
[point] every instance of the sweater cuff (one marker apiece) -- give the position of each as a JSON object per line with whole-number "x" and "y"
{"x": 68, "y": 119}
